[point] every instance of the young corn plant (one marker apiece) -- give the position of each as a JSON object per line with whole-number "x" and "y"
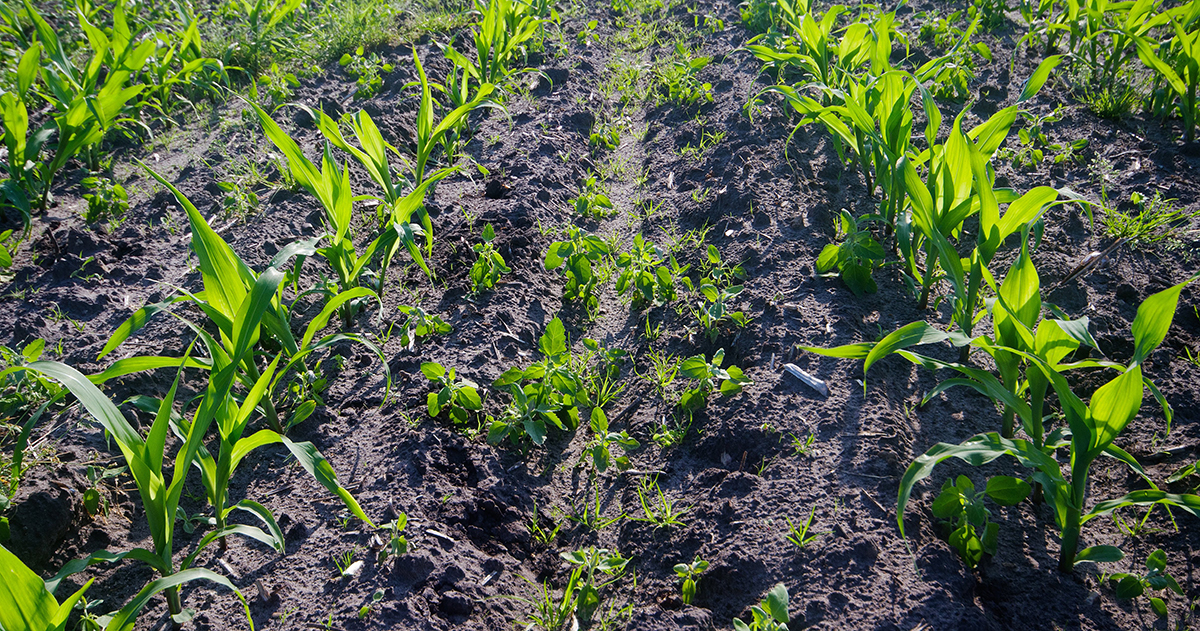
{"x": 85, "y": 102}
{"x": 502, "y": 37}
{"x": 1177, "y": 70}
{"x": 330, "y": 184}
{"x": 1089, "y": 431}
{"x": 243, "y": 306}
{"x": 25, "y": 176}
{"x": 159, "y": 494}
{"x": 26, "y": 604}
{"x": 228, "y": 283}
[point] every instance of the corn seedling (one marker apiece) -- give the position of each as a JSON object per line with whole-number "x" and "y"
{"x": 689, "y": 576}
{"x": 769, "y": 615}
{"x": 228, "y": 284}
{"x": 330, "y": 184}
{"x": 1177, "y": 68}
{"x": 1092, "y": 426}
{"x": 159, "y": 495}
{"x": 490, "y": 265}
{"x": 26, "y": 604}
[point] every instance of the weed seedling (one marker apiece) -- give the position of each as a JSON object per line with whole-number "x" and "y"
{"x": 459, "y": 396}
{"x": 801, "y": 536}
{"x": 490, "y": 265}
{"x": 396, "y": 544}
{"x": 689, "y": 575}
{"x": 366, "y": 69}
{"x": 658, "y": 509}
{"x": 1156, "y": 578}
{"x": 604, "y": 441}
{"x": 365, "y": 610}
{"x": 769, "y": 615}
{"x": 540, "y": 534}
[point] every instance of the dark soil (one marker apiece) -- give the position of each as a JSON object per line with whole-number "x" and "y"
{"x": 736, "y": 472}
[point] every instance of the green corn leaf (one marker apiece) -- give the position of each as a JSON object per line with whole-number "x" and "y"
{"x": 128, "y": 613}
{"x": 1153, "y": 318}
{"x": 24, "y": 601}
{"x": 914, "y": 334}
{"x": 135, "y": 323}
{"x": 1145, "y": 497}
{"x": 1099, "y": 554}
{"x": 846, "y": 351}
{"x": 307, "y": 455}
{"x": 1036, "y": 80}
{"x": 1112, "y": 406}
{"x": 141, "y": 364}
{"x": 319, "y": 322}
{"x": 977, "y": 450}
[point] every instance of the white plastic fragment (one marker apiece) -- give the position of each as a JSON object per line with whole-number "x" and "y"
{"x": 809, "y": 380}
{"x": 439, "y": 535}
{"x": 354, "y": 570}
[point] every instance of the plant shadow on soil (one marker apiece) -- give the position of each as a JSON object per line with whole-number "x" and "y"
{"x": 736, "y": 471}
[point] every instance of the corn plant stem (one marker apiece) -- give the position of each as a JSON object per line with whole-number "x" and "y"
{"x": 927, "y": 283}
{"x": 174, "y": 606}
{"x": 1070, "y": 540}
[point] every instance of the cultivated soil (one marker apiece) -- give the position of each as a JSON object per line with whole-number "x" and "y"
{"x": 736, "y": 471}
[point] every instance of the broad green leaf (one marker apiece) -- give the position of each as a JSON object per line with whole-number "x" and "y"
{"x": 1007, "y": 491}
{"x": 777, "y": 603}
